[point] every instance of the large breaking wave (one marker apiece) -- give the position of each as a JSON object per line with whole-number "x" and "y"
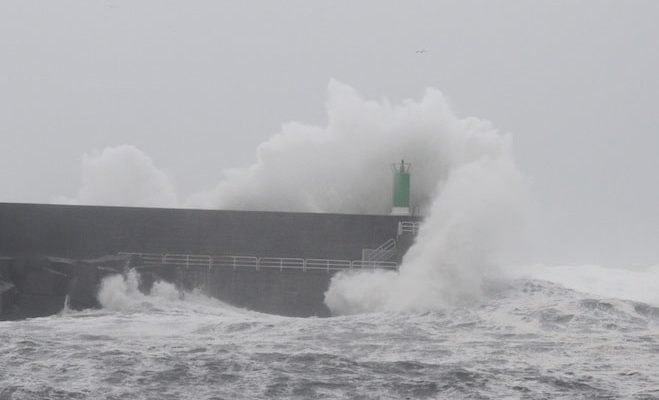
{"x": 464, "y": 178}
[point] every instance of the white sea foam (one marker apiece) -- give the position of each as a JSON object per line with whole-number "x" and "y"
{"x": 639, "y": 284}
{"x": 121, "y": 293}
{"x": 526, "y": 338}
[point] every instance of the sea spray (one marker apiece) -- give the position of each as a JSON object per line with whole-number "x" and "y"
{"x": 122, "y": 176}
{"x": 476, "y": 220}
{"x": 66, "y": 309}
{"x": 344, "y": 166}
{"x": 464, "y": 178}
{"x": 633, "y": 283}
{"x": 120, "y": 292}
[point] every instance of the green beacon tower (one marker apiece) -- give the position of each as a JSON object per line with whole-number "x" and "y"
{"x": 401, "y": 204}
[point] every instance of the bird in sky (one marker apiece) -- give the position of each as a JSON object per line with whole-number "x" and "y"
{"x": 421, "y": 51}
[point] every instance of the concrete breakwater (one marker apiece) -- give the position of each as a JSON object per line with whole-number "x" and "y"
{"x": 49, "y": 253}
{"x": 40, "y": 286}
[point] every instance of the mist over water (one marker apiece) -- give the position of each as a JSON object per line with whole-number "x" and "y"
{"x": 633, "y": 283}
{"x": 122, "y": 176}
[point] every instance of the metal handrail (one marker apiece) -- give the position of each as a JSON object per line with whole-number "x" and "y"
{"x": 366, "y": 264}
{"x": 408, "y": 227}
{"x": 281, "y": 263}
{"x": 187, "y": 259}
{"x": 327, "y": 264}
{"x": 234, "y": 262}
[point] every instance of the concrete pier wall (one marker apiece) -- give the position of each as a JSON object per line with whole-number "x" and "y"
{"x": 30, "y": 232}
{"x": 91, "y": 231}
{"x": 286, "y": 292}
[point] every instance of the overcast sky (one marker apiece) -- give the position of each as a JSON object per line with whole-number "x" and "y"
{"x": 197, "y": 85}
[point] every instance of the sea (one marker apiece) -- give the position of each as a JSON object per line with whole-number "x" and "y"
{"x": 528, "y": 339}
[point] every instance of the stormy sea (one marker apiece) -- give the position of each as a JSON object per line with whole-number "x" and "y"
{"x": 449, "y": 323}
{"x": 526, "y": 339}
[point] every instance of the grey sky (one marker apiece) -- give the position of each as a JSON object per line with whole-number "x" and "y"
{"x": 197, "y": 85}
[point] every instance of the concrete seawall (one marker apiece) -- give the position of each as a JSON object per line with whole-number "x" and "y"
{"x": 31, "y": 235}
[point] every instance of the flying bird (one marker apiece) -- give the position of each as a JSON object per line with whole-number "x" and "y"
{"x": 421, "y": 51}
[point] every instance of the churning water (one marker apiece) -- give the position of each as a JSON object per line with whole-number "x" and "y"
{"x": 526, "y": 339}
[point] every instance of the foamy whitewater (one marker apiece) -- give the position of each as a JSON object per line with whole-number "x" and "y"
{"x": 459, "y": 319}
{"x": 529, "y": 339}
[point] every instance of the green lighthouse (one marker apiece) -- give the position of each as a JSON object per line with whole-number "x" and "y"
{"x": 401, "y": 200}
